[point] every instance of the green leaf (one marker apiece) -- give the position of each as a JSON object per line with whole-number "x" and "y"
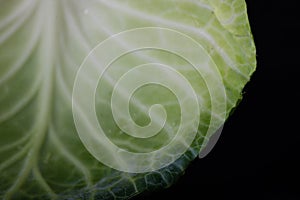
{"x": 47, "y": 52}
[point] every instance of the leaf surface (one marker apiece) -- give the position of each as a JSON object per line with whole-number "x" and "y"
{"x": 42, "y": 46}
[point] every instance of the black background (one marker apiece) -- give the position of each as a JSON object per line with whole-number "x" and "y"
{"x": 257, "y": 155}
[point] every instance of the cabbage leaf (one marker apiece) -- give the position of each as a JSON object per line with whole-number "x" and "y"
{"x": 43, "y": 46}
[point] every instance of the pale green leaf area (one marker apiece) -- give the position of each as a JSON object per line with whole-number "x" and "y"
{"x": 42, "y": 45}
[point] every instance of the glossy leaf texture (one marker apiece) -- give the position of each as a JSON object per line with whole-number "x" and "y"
{"x": 42, "y": 46}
